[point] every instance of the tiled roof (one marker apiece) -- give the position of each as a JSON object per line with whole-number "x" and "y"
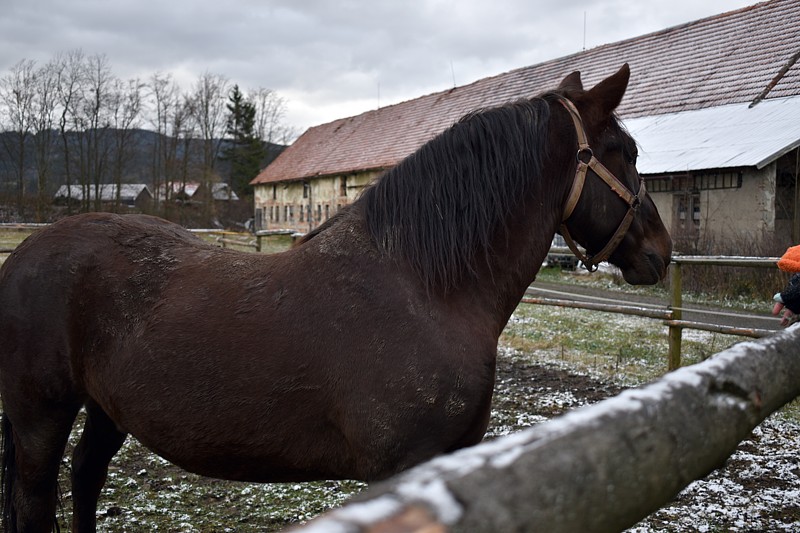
{"x": 725, "y": 59}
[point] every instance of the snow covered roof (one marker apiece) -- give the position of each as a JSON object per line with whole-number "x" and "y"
{"x": 727, "y": 136}
{"x": 108, "y": 191}
{"x": 221, "y": 191}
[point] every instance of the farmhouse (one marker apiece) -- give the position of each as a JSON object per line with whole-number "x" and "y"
{"x": 714, "y": 105}
{"x": 197, "y": 192}
{"x": 132, "y": 195}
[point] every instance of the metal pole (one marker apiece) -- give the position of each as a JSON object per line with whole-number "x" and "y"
{"x": 674, "y": 360}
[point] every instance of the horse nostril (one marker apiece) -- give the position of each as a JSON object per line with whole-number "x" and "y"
{"x": 659, "y": 263}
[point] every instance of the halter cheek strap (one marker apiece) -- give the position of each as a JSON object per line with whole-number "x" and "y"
{"x": 586, "y": 161}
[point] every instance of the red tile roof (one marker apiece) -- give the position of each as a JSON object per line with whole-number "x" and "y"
{"x": 727, "y": 58}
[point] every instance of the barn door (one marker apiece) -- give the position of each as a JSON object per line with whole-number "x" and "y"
{"x": 686, "y": 220}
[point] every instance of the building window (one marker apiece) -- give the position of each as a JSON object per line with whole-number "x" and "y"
{"x": 343, "y": 186}
{"x": 274, "y": 192}
{"x": 695, "y": 182}
{"x": 305, "y": 189}
{"x": 258, "y": 223}
{"x": 291, "y": 213}
{"x": 302, "y": 212}
{"x": 327, "y": 211}
{"x": 319, "y": 212}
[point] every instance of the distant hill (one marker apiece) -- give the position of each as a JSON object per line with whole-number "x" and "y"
{"x": 138, "y": 167}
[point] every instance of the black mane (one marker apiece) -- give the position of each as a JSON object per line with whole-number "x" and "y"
{"x": 441, "y": 207}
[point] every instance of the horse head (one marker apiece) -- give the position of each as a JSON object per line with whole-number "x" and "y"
{"x": 607, "y": 210}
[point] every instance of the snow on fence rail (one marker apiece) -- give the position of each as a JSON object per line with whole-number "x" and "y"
{"x": 602, "y": 467}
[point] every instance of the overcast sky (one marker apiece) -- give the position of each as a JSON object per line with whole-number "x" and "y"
{"x": 331, "y": 58}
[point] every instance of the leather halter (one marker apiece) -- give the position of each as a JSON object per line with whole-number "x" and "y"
{"x": 586, "y": 161}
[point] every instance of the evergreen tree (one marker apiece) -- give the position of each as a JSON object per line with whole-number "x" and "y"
{"x": 245, "y": 150}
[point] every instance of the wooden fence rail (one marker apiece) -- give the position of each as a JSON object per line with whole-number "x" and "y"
{"x": 599, "y": 468}
{"x": 672, "y": 313}
{"x": 676, "y": 324}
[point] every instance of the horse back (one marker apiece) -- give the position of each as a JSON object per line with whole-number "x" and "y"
{"x": 70, "y": 287}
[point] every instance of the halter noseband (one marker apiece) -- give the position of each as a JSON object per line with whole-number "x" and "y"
{"x": 586, "y": 161}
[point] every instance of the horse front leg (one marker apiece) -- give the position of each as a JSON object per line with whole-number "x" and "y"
{"x": 99, "y": 442}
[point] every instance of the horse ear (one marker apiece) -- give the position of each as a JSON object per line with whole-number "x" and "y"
{"x": 572, "y": 82}
{"x": 608, "y": 93}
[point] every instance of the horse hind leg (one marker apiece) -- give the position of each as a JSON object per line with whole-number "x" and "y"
{"x": 32, "y": 452}
{"x": 99, "y": 442}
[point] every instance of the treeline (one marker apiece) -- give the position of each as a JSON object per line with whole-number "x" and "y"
{"x": 71, "y": 121}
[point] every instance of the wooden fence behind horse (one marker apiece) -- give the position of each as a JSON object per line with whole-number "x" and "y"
{"x": 599, "y": 468}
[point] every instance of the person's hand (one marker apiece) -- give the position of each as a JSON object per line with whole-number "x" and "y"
{"x": 787, "y": 318}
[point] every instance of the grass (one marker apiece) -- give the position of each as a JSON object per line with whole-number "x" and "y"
{"x": 269, "y": 244}
{"x": 627, "y": 350}
{"x": 11, "y": 239}
{"x": 613, "y": 282}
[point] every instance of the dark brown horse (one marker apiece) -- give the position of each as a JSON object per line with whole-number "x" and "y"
{"x": 364, "y": 350}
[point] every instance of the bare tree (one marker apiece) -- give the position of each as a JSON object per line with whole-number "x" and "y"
{"x": 69, "y": 76}
{"x": 174, "y": 120}
{"x": 76, "y": 101}
{"x": 43, "y": 122}
{"x": 17, "y": 94}
{"x": 210, "y": 96}
{"x": 184, "y": 130}
{"x": 270, "y": 116}
{"x": 162, "y": 91}
{"x": 125, "y": 104}
{"x": 95, "y": 121}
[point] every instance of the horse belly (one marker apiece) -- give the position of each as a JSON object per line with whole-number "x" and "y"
{"x": 300, "y": 430}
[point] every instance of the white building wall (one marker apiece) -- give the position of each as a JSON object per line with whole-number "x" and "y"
{"x": 301, "y": 206}
{"x": 743, "y": 214}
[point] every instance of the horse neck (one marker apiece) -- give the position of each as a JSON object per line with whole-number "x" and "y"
{"x": 519, "y": 251}
{"x": 516, "y": 259}
{"x": 473, "y": 212}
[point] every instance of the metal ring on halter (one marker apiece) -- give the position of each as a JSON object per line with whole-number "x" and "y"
{"x": 584, "y": 151}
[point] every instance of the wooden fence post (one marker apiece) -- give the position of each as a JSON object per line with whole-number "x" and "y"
{"x": 675, "y": 331}
{"x": 258, "y": 242}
